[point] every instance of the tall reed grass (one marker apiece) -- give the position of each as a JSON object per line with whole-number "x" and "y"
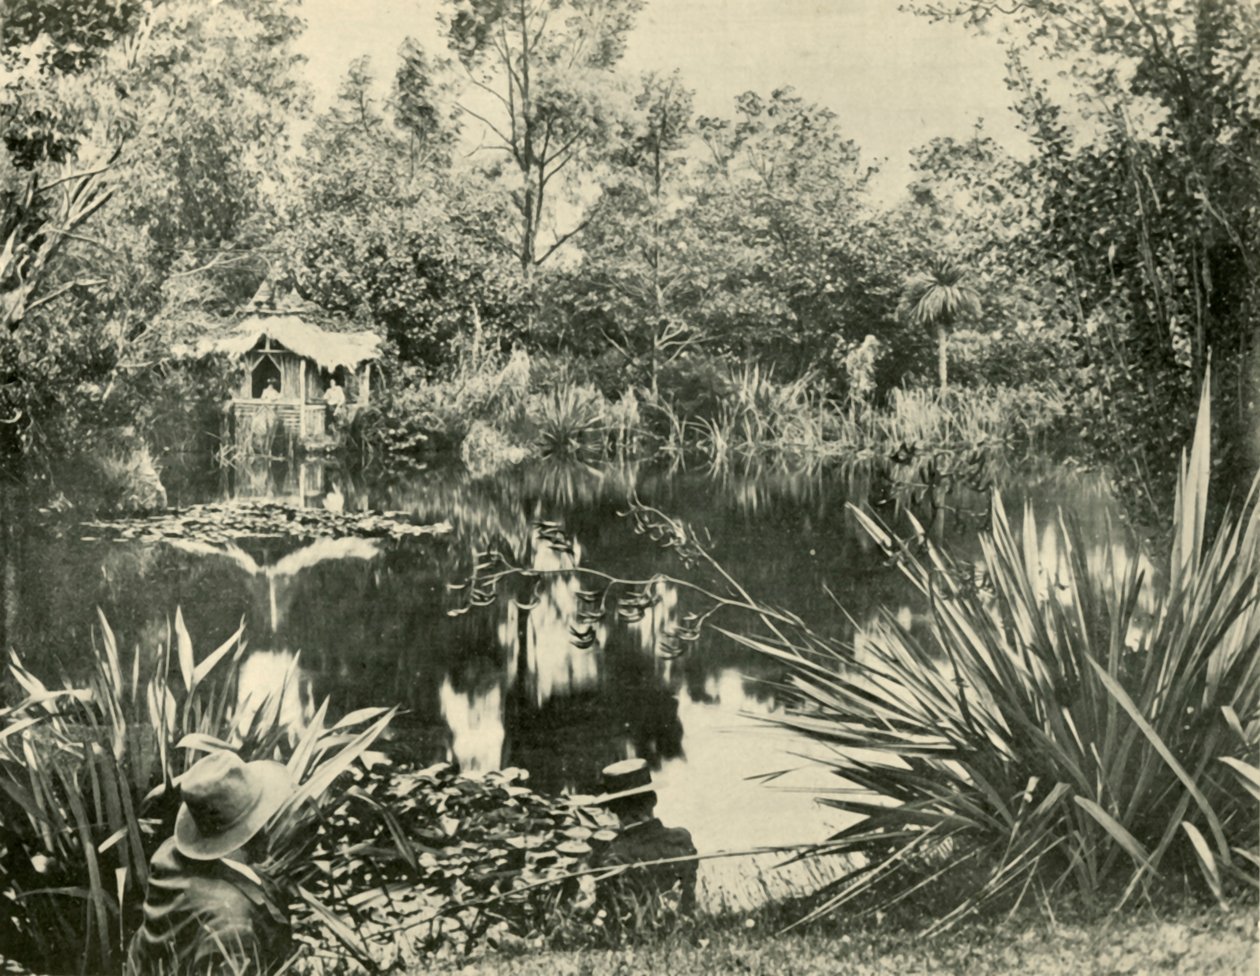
{"x": 86, "y": 777}
{"x": 1044, "y": 734}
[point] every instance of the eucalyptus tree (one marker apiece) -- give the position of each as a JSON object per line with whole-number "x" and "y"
{"x": 542, "y": 86}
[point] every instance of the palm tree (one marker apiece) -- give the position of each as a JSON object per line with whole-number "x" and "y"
{"x": 938, "y": 298}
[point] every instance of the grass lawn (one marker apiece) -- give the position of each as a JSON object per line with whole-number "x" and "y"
{"x": 1197, "y": 941}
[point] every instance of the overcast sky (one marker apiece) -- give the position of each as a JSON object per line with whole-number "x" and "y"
{"x": 895, "y": 80}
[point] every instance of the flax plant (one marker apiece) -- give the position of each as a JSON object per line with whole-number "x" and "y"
{"x": 86, "y": 788}
{"x": 1059, "y": 726}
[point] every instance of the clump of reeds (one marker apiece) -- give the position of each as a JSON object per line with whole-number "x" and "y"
{"x": 570, "y": 421}
{"x": 762, "y": 420}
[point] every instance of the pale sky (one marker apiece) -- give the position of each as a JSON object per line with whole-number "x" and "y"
{"x": 894, "y": 80}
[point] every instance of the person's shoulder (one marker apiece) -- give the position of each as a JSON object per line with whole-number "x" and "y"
{"x": 678, "y": 837}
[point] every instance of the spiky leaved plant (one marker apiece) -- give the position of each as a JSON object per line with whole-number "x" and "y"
{"x": 1055, "y": 726}
{"x": 937, "y": 298}
{"x": 85, "y": 797}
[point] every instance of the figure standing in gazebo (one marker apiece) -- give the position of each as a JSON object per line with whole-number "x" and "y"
{"x": 334, "y": 403}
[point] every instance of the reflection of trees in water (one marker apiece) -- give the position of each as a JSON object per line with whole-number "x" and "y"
{"x": 372, "y": 626}
{"x": 475, "y": 722}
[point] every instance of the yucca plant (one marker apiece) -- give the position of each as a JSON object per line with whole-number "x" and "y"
{"x": 1066, "y": 726}
{"x": 570, "y": 421}
{"x": 85, "y": 788}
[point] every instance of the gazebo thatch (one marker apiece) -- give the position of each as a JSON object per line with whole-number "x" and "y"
{"x": 328, "y": 350}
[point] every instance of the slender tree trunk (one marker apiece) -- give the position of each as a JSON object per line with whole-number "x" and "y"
{"x": 942, "y": 355}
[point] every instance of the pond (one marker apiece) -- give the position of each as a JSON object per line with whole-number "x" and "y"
{"x": 530, "y": 684}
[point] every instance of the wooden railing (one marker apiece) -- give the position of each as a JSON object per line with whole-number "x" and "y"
{"x": 306, "y": 420}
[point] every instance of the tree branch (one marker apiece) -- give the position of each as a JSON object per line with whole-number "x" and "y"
{"x": 561, "y": 241}
{"x": 486, "y": 122}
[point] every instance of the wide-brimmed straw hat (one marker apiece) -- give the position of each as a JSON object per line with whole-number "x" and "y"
{"x": 226, "y": 802}
{"x": 630, "y": 777}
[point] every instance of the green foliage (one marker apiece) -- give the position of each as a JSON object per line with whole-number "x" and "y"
{"x": 1066, "y": 725}
{"x": 922, "y": 421}
{"x": 474, "y": 860}
{"x": 85, "y": 787}
{"x": 548, "y": 64}
{"x": 423, "y": 414}
{"x": 938, "y": 298}
{"x": 637, "y": 281}
{"x": 762, "y": 419}
{"x": 1145, "y": 220}
{"x": 569, "y": 420}
{"x": 794, "y": 258}
{"x": 380, "y": 226}
{"x": 150, "y": 215}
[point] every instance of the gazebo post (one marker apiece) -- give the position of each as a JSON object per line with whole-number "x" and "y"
{"x": 302, "y": 398}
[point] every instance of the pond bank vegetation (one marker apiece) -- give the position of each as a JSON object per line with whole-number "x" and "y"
{"x": 739, "y": 417}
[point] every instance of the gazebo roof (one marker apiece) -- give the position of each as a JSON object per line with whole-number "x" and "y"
{"x": 279, "y": 313}
{"x": 328, "y": 349}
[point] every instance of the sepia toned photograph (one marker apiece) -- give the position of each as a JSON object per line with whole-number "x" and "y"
{"x": 616, "y": 487}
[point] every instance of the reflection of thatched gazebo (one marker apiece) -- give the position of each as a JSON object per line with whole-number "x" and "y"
{"x": 280, "y": 346}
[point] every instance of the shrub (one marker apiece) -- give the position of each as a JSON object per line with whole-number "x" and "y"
{"x": 128, "y": 479}
{"x": 569, "y": 420}
{"x": 423, "y": 414}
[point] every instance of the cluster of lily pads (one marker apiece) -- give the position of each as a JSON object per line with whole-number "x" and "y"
{"x": 221, "y": 523}
{"x": 429, "y": 860}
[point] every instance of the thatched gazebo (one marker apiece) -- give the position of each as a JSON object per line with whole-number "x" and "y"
{"x": 288, "y": 362}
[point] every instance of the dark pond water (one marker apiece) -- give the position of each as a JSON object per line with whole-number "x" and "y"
{"x": 501, "y": 685}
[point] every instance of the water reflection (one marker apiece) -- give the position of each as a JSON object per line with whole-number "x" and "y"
{"x": 273, "y": 680}
{"x": 533, "y": 680}
{"x": 475, "y": 721}
{"x": 277, "y": 571}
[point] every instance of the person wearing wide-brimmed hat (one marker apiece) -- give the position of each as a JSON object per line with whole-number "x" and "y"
{"x": 628, "y": 793}
{"x": 202, "y": 914}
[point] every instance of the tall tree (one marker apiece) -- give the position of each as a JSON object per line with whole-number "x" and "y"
{"x": 382, "y": 220}
{"x": 637, "y": 279}
{"x": 1149, "y": 214}
{"x": 799, "y": 262}
{"x": 542, "y": 85}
